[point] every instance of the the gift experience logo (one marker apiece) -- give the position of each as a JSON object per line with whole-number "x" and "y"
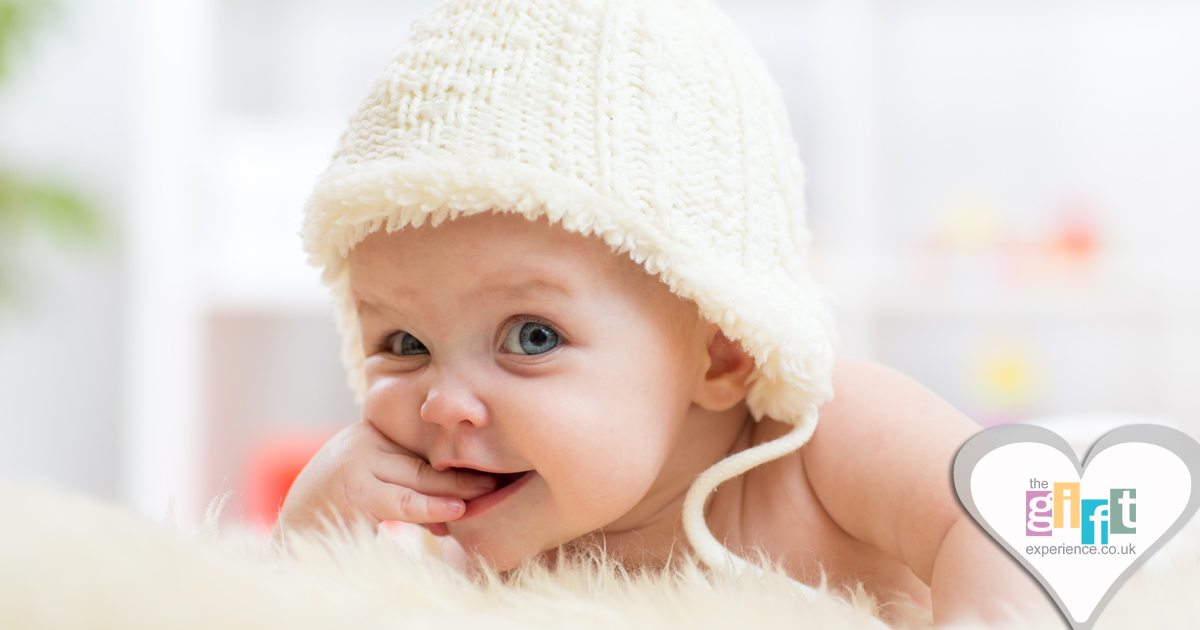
{"x": 1060, "y": 508}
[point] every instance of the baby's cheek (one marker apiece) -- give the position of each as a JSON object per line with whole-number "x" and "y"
{"x": 599, "y": 481}
{"x": 592, "y": 466}
{"x": 390, "y": 406}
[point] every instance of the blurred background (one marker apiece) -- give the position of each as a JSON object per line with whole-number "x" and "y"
{"x": 1004, "y": 196}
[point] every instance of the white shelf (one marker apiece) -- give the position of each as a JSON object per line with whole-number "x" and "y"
{"x": 263, "y": 284}
{"x": 1061, "y": 305}
{"x": 263, "y": 170}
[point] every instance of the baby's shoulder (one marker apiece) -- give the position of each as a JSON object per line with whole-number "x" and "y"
{"x": 882, "y": 429}
{"x": 865, "y": 498}
{"x": 879, "y": 461}
{"x": 873, "y": 406}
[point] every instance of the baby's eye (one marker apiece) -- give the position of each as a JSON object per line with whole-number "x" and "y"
{"x": 403, "y": 343}
{"x": 530, "y": 338}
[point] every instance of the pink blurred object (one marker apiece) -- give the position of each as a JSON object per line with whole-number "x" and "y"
{"x": 272, "y": 467}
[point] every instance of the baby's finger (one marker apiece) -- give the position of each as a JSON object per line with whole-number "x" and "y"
{"x": 418, "y": 474}
{"x": 391, "y": 502}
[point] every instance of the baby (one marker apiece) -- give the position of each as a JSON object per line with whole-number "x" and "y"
{"x": 567, "y": 244}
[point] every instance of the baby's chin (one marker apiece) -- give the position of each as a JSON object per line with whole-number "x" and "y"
{"x": 507, "y": 543}
{"x": 497, "y": 550}
{"x": 531, "y": 524}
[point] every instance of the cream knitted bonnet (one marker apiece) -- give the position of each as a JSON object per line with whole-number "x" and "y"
{"x": 650, "y": 124}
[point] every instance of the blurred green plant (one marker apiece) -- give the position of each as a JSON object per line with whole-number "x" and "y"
{"x": 27, "y": 205}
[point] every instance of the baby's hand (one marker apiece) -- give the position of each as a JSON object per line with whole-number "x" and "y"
{"x": 360, "y": 476}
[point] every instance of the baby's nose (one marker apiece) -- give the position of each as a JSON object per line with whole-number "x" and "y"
{"x": 450, "y": 401}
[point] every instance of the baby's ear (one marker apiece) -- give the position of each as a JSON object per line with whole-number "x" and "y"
{"x": 728, "y": 369}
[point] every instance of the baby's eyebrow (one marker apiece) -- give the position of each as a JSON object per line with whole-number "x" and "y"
{"x": 521, "y": 290}
{"x": 364, "y": 304}
{"x": 364, "y": 307}
{"x": 503, "y": 290}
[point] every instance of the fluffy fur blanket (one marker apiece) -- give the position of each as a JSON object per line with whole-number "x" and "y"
{"x": 68, "y": 561}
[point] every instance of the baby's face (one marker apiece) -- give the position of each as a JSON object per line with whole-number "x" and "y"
{"x": 503, "y": 345}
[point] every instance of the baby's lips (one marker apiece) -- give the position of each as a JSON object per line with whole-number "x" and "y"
{"x": 437, "y": 529}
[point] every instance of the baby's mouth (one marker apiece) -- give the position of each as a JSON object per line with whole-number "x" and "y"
{"x": 507, "y": 484}
{"x": 502, "y": 479}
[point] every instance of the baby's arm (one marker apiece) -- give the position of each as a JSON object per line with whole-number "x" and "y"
{"x": 880, "y": 464}
{"x": 362, "y": 477}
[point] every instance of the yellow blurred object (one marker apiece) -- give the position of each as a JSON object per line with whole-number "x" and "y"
{"x": 971, "y": 225}
{"x": 1004, "y": 374}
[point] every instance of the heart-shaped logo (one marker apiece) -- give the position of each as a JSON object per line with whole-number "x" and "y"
{"x": 1080, "y": 530}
